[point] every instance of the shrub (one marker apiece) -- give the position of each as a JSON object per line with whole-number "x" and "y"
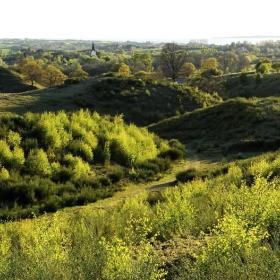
{"x": 5, "y": 153}
{"x": 175, "y": 152}
{"x": 37, "y": 163}
{"x": 190, "y": 174}
{"x": 18, "y": 158}
{"x": 79, "y": 148}
{"x": 211, "y": 72}
{"x": 4, "y": 174}
{"x": 80, "y": 170}
{"x": 116, "y": 175}
{"x": 13, "y": 138}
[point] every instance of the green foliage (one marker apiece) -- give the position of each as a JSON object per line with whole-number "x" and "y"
{"x": 221, "y": 227}
{"x": 37, "y": 163}
{"x": 124, "y": 70}
{"x": 140, "y": 101}
{"x": 73, "y": 154}
{"x": 4, "y": 174}
{"x": 263, "y": 67}
{"x": 13, "y": 138}
{"x": 80, "y": 148}
{"x": 80, "y": 170}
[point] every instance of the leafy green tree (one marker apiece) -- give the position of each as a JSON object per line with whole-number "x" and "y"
{"x": 188, "y": 69}
{"x": 244, "y": 62}
{"x": 263, "y": 67}
{"x": 32, "y": 69}
{"x": 141, "y": 62}
{"x": 54, "y": 76}
{"x": 124, "y": 70}
{"x": 229, "y": 61}
{"x": 210, "y": 63}
{"x": 172, "y": 59}
{"x": 76, "y": 71}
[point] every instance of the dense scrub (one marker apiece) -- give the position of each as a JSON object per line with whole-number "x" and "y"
{"x": 218, "y": 228}
{"x": 235, "y": 126}
{"x": 53, "y": 160}
{"x": 10, "y": 82}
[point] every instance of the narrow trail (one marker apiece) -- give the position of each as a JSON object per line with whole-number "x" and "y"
{"x": 131, "y": 190}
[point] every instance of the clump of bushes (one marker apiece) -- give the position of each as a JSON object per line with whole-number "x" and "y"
{"x": 74, "y": 154}
{"x": 175, "y": 152}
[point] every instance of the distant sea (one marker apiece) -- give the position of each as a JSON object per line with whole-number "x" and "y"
{"x": 253, "y": 40}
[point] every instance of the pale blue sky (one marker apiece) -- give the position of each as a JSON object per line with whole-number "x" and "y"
{"x": 174, "y": 20}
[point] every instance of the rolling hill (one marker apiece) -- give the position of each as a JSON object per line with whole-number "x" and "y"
{"x": 11, "y": 82}
{"x": 237, "y": 125}
{"x": 141, "y": 102}
{"x": 232, "y": 85}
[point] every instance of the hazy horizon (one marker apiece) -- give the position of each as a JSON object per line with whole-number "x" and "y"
{"x": 124, "y": 20}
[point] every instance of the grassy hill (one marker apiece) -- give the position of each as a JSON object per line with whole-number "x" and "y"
{"x": 141, "y": 102}
{"x": 11, "y": 82}
{"x": 237, "y": 125}
{"x": 230, "y": 86}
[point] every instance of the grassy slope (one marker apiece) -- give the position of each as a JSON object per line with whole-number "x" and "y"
{"x": 190, "y": 251}
{"x": 11, "y": 82}
{"x": 230, "y": 86}
{"x": 238, "y": 125}
{"x": 140, "y": 102}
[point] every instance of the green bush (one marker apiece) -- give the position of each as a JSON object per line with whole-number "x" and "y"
{"x": 4, "y": 174}
{"x": 79, "y": 148}
{"x": 67, "y": 149}
{"x": 37, "y": 163}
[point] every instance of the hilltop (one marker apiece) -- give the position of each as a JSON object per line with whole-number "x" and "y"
{"x": 12, "y": 82}
{"x": 237, "y": 125}
{"x": 141, "y": 102}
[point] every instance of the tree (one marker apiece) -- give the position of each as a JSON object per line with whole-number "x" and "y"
{"x": 188, "y": 69}
{"x": 229, "y": 61}
{"x": 141, "y": 62}
{"x": 276, "y": 66}
{"x": 244, "y": 62}
{"x": 76, "y": 71}
{"x": 210, "y": 63}
{"x": 54, "y": 76}
{"x": 172, "y": 59}
{"x": 124, "y": 70}
{"x": 263, "y": 67}
{"x": 32, "y": 69}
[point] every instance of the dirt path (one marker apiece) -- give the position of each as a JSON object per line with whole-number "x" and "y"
{"x": 168, "y": 179}
{"x": 131, "y": 190}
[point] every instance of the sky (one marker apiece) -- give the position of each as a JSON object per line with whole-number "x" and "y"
{"x": 141, "y": 20}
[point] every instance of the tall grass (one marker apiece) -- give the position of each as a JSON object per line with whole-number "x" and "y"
{"x": 234, "y": 225}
